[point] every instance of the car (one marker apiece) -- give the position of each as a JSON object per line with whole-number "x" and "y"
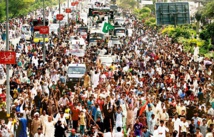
{"x": 95, "y": 40}
{"x": 75, "y": 75}
{"x": 74, "y": 40}
{"x": 119, "y": 20}
{"x": 120, "y": 32}
{"x": 25, "y": 28}
{"x": 37, "y": 37}
{"x": 83, "y": 31}
{"x": 114, "y": 40}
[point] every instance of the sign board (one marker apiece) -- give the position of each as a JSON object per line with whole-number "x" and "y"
{"x": 59, "y": 16}
{"x": 7, "y": 57}
{"x": 146, "y": 2}
{"x": 68, "y": 10}
{"x": 172, "y": 13}
{"x": 44, "y": 30}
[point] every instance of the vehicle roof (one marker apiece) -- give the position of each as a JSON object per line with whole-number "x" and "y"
{"x": 95, "y": 38}
{"x": 120, "y": 28}
{"x": 82, "y": 27}
{"x": 75, "y": 65}
{"x": 96, "y": 30}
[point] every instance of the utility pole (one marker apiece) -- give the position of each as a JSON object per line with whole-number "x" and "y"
{"x": 68, "y": 13}
{"x": 44, "y": 48}
{"x": 7, "y": 69}
{"x": 59, "y": 20}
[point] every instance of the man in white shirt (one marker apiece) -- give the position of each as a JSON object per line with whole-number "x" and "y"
{"x": 48, "y": 128}
{"x": 118, "y": 133}
{"x": 184, "y": 126}
{"x": 162, "y": 129}
{"x": 39, "y": 133}
{"x": 176, "y": 122}
{"x": 210, "y": 111}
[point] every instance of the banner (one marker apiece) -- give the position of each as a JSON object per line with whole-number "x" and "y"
{"x": 7, "y": 57}
{"x": 59, "y": 16}
{"x": 68, "y": 10}
{"x": 44, "y": 30}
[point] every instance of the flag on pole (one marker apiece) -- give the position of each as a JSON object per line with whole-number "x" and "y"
{"x": 143, "y": 108}
{"x": 107, "y": 27}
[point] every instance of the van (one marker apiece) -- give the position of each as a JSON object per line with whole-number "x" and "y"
{"x": 75, "y": 75}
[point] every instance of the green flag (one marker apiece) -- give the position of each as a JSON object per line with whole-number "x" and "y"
{"x": 107, "y": 27}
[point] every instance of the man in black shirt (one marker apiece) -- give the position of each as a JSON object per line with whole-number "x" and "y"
{"x": 100, "y": 125}
{"x": 192, "y": 128}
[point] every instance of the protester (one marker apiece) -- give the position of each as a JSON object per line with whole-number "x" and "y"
{"x": 152, "y": 87}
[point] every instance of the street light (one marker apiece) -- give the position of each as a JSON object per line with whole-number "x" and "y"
{"x": 44, "y": 48}
{"x": 7, "y": 69}
{"x": 59, "y": 20}
{"x": 68, "y": 13}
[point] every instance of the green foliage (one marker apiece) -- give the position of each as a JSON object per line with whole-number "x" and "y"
{"x": 145, "y": 10}
{"x": 194, "y": 41}
{"x": 19, "y": 8}
{"x": 127, "y": 4}
{"x": 143, "y": 16}
{"x": 177, "y": 32}
{"x": 151, "y": 7}
{"x": 208, "y": 9}
{"x": 204, "y": 35}
{"x": 150, "y": 22}
{"x": 142, "y": 13}
{"x": 198, "y": 16}
{"x": 2, "y": 11}
{"x": 210, "y": 29}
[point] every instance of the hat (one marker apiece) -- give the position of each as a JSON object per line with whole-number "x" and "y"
{"x": 36, "y": 114}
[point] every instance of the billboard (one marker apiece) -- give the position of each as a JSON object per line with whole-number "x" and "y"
{"x": 173, "y": 13}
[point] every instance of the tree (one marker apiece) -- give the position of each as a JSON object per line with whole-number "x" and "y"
{"x": 2, "y": 10}
{"x": 127, "y": 4}
{"x": 18, "y": 8}
{"x": 142, "y": 13}
{"x": 208, "y": 9}
{"x": 198, "y": 17}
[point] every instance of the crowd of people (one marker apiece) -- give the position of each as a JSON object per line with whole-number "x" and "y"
{"x": 153, "y": 88}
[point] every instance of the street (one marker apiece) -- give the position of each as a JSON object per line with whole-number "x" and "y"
{"x": 107, "y": 68}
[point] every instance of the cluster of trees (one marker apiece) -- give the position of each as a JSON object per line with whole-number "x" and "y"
{"x": 19, "y": 8}
{"x": 127, "y": 4}
{"x": 187, "y": 34}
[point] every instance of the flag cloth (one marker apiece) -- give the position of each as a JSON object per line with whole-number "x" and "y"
{"x": 107, "y": 27}
{"x": 143, "y": 108}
